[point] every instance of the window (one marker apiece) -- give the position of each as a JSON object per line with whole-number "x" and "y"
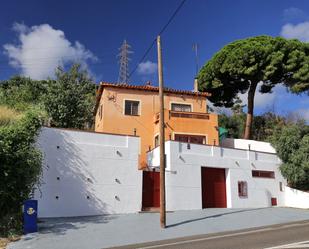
{"x": 181, "y": 107}
{"x": 157, "y": 141}
{"x": 242, "y": 189}
{"x": 131, "y": 107}
{"x": 263, "y": 174}
{"x": 190, "y": 138}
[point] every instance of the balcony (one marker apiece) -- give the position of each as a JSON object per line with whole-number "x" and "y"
{"x": 178, "y": 114}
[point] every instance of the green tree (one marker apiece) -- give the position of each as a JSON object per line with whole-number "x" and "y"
{"x": 292, "y": 146}
{"x": 241, "y": 65}
{"x": 234, "y": 124}
{"x": 264, "y": 125}
{"x": 70, "y": 98}
{"x": 20, "y": 168}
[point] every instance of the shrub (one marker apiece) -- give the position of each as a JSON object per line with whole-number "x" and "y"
{"x": 20, "y": 168}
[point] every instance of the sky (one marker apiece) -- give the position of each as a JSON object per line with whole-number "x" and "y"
{"x": 37, "y": 36}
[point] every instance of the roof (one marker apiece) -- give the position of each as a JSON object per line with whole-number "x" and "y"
{"x": 145, "y": 88}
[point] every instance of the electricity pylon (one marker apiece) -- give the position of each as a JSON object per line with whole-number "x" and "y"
{"x": 124, "y": 62}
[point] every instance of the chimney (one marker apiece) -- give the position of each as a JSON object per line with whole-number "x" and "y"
{"x": 195, "y": 85}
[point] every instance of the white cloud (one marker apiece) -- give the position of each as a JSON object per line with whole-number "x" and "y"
{"x": 293, "y": 13}
{"x": 40, "y": 49}
{"x": 263, "y": 100}
{"x": 299, "y": 31}
{"x": 147, "y": 68}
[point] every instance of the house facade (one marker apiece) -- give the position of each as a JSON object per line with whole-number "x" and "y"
{"x": 134, "y": 110}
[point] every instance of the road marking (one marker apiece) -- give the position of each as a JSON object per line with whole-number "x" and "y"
{"x": 228, "y": 235}
{"x": 203, "y": 239}
{"x": 301, "y": 244}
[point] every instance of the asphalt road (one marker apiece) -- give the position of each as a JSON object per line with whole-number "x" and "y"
{"x": 290, "y": 235}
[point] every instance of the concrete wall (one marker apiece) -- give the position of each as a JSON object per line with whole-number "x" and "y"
{"x": 183, "y": 177}
{"x": 296, "y": 198}
{"x": 244, "y": 144}
{"x": 90, "y": 173}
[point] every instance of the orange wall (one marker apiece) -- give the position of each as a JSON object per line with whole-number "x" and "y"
{"x": 114, "y": 120}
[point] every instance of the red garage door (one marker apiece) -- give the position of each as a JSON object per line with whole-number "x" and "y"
{"x": 213, "y": 188}
{"x": 151, "y": 189}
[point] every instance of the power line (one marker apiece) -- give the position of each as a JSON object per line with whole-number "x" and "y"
{"x": 143, "y": 57}
{"x": 160, "y": 33}
{"x": 172, "y": 17}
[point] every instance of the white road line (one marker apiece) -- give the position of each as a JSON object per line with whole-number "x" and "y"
{"x": 203, "y": 239}
{"x": 301, "y": 244}
{"x": 225, "y": 236}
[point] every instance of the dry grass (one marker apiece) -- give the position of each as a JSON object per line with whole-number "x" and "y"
{"x": 8, "y": 116}
{"x": 5, "y": 241}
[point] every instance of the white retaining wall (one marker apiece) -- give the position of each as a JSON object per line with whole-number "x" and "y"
{"x": 244, "y": 144}
{"x": 90, "y": 173}
{"x": 183, "y": 176}
{"x": 296, "y": 198}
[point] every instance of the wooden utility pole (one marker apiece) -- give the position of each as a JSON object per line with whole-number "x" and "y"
{"x": 161, "y": 137}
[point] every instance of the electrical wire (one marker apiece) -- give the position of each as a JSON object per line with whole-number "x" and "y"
{"x": 160, "y": 33}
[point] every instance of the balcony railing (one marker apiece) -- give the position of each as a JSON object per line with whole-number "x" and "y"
{"x": 178, "y": 114}
{"x": 196, "y": 115}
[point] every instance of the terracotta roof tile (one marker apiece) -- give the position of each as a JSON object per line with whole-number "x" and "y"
{"x": 154, "y": 89}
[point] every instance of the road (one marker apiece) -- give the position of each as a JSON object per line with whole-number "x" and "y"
{"x": 290, "y": 235}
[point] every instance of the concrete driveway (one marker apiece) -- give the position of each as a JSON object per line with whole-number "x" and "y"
{"x": 116, "y": 230}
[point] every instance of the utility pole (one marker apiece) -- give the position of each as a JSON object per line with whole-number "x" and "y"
{"x": 124, "y": 62}
{"x": 161, "y": 137}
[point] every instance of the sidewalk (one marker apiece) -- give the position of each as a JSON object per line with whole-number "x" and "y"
{"x": 115, "y": 230}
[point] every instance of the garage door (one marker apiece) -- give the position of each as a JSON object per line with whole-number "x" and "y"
{"x": 213, "y": 188}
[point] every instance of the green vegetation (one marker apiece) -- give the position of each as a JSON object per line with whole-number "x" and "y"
{"x": 20, "y": 164}
{"x": 262, "y": 128}
{"x": 22, "y": 93}
{"x": 292, "y": 145}
{"x": 241, "y": 65}
{"x": 70, "y": 99}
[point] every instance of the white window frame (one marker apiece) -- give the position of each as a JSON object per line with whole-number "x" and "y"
{"x": 139, "y": 107}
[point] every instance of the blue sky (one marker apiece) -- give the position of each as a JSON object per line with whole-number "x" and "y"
{"x": 37, "y": 35}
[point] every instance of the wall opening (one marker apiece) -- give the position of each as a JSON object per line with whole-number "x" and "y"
{"x": 151, "y": 190}
{"x": 213, "y": 188}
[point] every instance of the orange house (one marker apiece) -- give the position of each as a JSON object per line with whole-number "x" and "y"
{"x": 134, "y": 110}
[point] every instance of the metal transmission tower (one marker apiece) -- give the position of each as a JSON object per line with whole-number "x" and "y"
{"x": 124, "y": 62}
